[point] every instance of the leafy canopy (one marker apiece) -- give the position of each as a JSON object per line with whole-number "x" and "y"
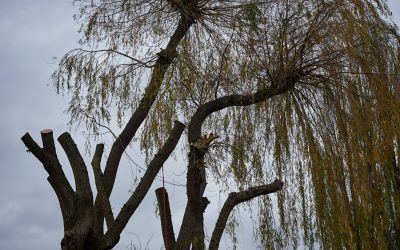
{"x": 334, "y": 140}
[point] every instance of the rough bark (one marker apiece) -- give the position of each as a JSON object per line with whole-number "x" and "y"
{"x": 195, "y": 181}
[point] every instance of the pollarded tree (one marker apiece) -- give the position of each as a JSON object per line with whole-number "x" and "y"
{"x": 304, "y": 91}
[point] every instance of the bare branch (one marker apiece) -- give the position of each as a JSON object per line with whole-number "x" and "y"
{"x": 83, "y": 214}
{"x": 233, "y": 200}
{"x": 142, "y": 63}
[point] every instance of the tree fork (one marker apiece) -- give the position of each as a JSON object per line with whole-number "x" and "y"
{"x": 76, "y": 207}
{"x": 112, "y": 235}
{"x": 48, "y": 157}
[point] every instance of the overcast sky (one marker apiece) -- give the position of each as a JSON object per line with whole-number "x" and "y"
{"x": 31, "y": 34}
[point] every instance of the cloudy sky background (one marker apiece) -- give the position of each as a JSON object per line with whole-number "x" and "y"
{"x": 31, "y": 34}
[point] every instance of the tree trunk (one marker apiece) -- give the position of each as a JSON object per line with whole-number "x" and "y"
{"x": 196, "y": 182}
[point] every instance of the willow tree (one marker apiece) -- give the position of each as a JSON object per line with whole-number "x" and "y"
{"x": 305, "y": 92}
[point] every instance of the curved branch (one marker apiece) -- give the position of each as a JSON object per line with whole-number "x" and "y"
{"x": 233, "y": 200}
{"x": 280, "y": 87}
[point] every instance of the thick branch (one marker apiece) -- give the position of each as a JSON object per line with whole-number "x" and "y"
{"x": 165, "y": 218}
{"x": 98, "y": 175}
{"x": 184, "y": 236}
{"x": 165, "y": 58}
{"x": 194, "y": 130}
{"x": 233, "y": 200}
{"x": 144, "y": 185}
{"x": 78, "y": 166}
{"x": 57, "y": 179}
{"x": 83, "y": 216}
{"x": 48, "y": 142}
{"x": 192, "y": 223}
{"x": 33, "y": 147}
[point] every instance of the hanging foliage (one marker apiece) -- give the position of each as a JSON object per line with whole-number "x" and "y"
{"x": 333, "y": 137}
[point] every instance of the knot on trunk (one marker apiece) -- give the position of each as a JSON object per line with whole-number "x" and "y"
{"x": 287, "y": 80}
{"x": 204, "y": 142}
{"x": 204, "y": 203}
{"x": 189, "y": 9}
{"x": 68, "y": 242}
{"x": 167, "y": 56}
